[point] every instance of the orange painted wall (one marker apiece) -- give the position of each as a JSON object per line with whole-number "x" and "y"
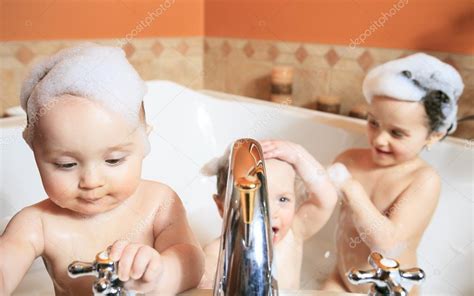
{"x": 89, "y": 19}
{"x": 440, "y": 25}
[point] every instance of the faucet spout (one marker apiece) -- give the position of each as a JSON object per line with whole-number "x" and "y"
{"x": 246, "y": 252}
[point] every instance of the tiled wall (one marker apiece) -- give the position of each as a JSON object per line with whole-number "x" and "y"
{"x": 241, "y": 66}
{"x": 176, "y": 59}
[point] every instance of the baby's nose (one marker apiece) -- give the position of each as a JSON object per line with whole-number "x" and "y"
{"x": 381, "y": 139}
{"x": 90, "y": 179}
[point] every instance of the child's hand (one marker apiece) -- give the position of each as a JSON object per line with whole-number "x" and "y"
{"x": 310, "y": 170}
{"x": 139, "y": 264}
{"x": 353, "y": 192}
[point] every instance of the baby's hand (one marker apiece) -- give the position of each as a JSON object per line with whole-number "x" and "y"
{"x": 139, "y": 265}
{"x": 310, "y": 170}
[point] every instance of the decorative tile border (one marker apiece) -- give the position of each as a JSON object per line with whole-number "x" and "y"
{"x": 177, "y": 59}
{"x": 243, "y": 67}
{"x": 240, "y": 66}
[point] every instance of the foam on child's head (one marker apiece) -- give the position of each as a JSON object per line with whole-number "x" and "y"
{"x": 412, "y": 78}
{"x": 99, "y": 73}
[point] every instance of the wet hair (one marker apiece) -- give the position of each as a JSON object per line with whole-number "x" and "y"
{"x": 435, "y": 101}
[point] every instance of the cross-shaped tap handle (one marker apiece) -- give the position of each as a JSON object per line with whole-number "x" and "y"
{"x": 107, "y": 282}
{"x": 386, "y": 276}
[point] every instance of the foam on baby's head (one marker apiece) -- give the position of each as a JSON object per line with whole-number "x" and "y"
{"x": 419, "y": 78}
{"x": 99, "y": 73}
{"x": 219, "y": 167}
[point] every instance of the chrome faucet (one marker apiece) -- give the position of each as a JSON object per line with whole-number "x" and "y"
{"x": 107, "y": 282}
{"x": 246, "y": 252}
{"x": 386, "y": 276}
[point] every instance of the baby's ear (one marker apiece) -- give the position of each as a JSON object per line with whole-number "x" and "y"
{"x": 149, "y": 129}
{"x": 218, "y": 201}
{"x": 434, "y": 138}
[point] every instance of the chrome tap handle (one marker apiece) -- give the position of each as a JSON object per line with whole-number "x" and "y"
{"x": 78, "y": 268}
{"x": 386, "y": 276}
{"x": 107, "y": 282}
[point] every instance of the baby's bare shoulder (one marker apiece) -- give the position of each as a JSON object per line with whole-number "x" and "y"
{"x": 157, "y": 193}
{"x": 27, "y": 225}
{"x": 162, "y": 198}
{"x": 34, "y": 214}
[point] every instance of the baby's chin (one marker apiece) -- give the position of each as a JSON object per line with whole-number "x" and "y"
{"x": 89, "y": 208}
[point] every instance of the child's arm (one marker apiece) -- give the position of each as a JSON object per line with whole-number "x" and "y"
{"x": 406, "y": 218}
{"x": 21, "y": 242}
{"x": 315, "y": 211}
{"x": 175, "y": 264}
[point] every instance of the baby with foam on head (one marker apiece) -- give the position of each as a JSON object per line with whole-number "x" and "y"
{"x": 293, "y": 220}
{"x": 390, "y": 200}
{"x": 87, "y": 129}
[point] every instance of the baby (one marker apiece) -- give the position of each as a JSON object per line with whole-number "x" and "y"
{"x": 87, "y": 129}
{"x": 291, "y": 223}
{"x": 393, "y": 194}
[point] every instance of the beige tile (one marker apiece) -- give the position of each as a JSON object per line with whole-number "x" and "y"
{"x": 309, "y": 83}
{"x": 348, "y": 52}
{"x": 248, "y": 78}
{"x": 10, "y": 62}
{"x": 9, "y": 48}
{"x": 317, "y": 49}
{"x": 349, "y": 65}
{"x": 285, "y": 59}
{"x": 316, "y": 62}
{"x": 237, "y": 43}
{"x": 464, "y": 61}
{"x": 214, "y": 42}
{"x": 287, "y": 46}
{"x": 187, "y": 72}
{"x": 214, "y": 72}
{"x": 381, "y": 55}
{"x": 348, "y": 86}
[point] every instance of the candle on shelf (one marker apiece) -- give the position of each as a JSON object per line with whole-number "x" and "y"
{"x": 330, "y": 104}
{"x": 282, "y": 84}
{"x": 359, "y": 111}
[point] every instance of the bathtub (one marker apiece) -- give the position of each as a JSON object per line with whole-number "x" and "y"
{"x": 190, "y": 128}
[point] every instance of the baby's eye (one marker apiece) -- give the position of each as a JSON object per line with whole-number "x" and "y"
{"x": 396, "y": 134}
{"x": 66, "y": 166}
{"x": 373, "y": 123}
{"x": 284, "y": 199}
{"x": 115, "y": 161}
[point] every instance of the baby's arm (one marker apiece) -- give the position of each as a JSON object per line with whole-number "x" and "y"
{"x": 316, "y": 210}
{"x": 175, "y": 264}
{"x": 406, "y": 218}
{"x": 21, "y": 242}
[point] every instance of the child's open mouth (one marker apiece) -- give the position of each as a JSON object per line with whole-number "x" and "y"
{"x": 383, "y": 152}
{"x": 275, "y": 233}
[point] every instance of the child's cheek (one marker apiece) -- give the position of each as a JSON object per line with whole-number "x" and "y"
{"x": 124, "y": 180}
{"x": 287, "y": 219}
{"x": 60, "y": 186}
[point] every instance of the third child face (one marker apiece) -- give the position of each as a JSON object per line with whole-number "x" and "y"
{"x": 397, "y": 130}
{"x": 282, "y": 197}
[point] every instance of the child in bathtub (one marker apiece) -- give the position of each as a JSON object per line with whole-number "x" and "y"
{"x": 291, "y": 223}
{"x": 87, "y": 129}
{"x": 393, "y": 194}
